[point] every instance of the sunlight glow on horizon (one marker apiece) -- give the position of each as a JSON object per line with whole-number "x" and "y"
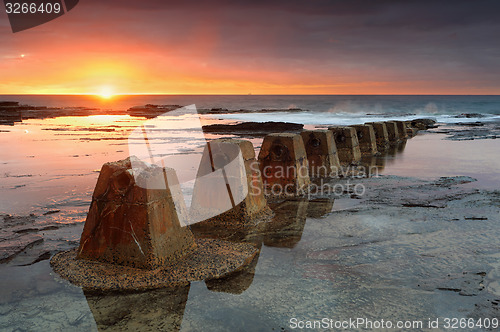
{"x": 106, "y": 92}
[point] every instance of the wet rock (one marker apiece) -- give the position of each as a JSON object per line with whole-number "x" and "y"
{"x": 410, "y": 130}
{"x": 274, "y": 110}
{"x": 217, "y": 110}
{"x": 9, "y": 103}
{"x": 423, "y": 124}
{"x": 220, "y": 110}
{"x": 11, "y": 220}
{"x": 150, "y": 110}
{"x": 41, "y": 257}
{"x": 321, "y": 153}
{"x": 447, "y": 181}
{"x": 366, "y": 139}
{"x": 235, "y": 283}
{"x": 12, "y": 112}
{"x": 10, "y": 248}
{"x": 347, "y": 143}
{"x": 469, "y": 115}
{"x": 130, "y": 225}
{"x": 10, "y": 116}
{"x": 470, "y": 124}
{"x": 471, "y": 131}
{"x": 51, "y": 212}
{"x": 465, "y": 284}
{"x": 283, "y": 163}
{"x": 254, "y": 128}
{"x": 210, "y": 259}
{"x": 436, "y": 194}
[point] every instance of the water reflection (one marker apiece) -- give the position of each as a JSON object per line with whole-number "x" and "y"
{"x": 373, "y": 165}
{"x": 376, "y": 164}
{"x": 163, "y": 309}
{"x": 237, "y": 282}
{"x": 250, "y": 231}
{"x": 318, "y": 208}
{"x": 285, "y": 230}
{"x": 395, "y": 149}
{"x": 158, "y": 310}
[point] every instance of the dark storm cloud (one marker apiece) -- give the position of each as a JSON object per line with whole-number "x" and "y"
{"x": 384, "y": 40}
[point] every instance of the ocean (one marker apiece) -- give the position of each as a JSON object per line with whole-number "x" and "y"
{"x": 306, "y": 109}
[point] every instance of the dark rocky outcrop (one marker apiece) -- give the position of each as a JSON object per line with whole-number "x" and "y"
{"x": 423, "y": 124}
{"x": 150, "y": 110}
{"x": 254, "y": 128}
{"x": 469, "y": 115}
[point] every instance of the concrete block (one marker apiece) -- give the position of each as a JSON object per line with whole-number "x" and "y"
{"x": 401, "y": 130}
{"x": 321, "y": 153}
{"x": 283, "y": 163}
{"x": 236, "y": 194}
{"x": 366, "y": 139}
{"x": 381, "y": 135}
{"x": 130, "y": 225}
{"x": 392, "y": 132}
{"x": 347, "y": 143}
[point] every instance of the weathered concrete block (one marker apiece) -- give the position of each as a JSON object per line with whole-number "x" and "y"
{"x": 347, "y": 143}
{"x": 392, "y": 132}
{"x": 283, "y": 163}
{"x": 234, "y": 196}
{"x": 131, "y": 225}
{"x": 321, "y": 153}
{"x": 401, "y": 130}
{"x": 381, "y": 135}
{"x": 366, "y": 139}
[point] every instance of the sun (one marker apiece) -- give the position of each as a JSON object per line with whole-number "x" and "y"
{"x": 106, "y": 92}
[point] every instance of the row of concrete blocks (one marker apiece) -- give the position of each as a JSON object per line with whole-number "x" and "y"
{"x": 322, "y": 153}
{"x": 128, "y": 224}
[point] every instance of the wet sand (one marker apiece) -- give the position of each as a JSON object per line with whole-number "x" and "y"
{"x": 422, "y": 242}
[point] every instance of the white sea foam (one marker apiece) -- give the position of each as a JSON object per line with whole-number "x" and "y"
{"x": 344, "y": 118}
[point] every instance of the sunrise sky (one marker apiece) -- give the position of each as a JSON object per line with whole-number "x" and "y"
{"x": 259, "y": 47}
